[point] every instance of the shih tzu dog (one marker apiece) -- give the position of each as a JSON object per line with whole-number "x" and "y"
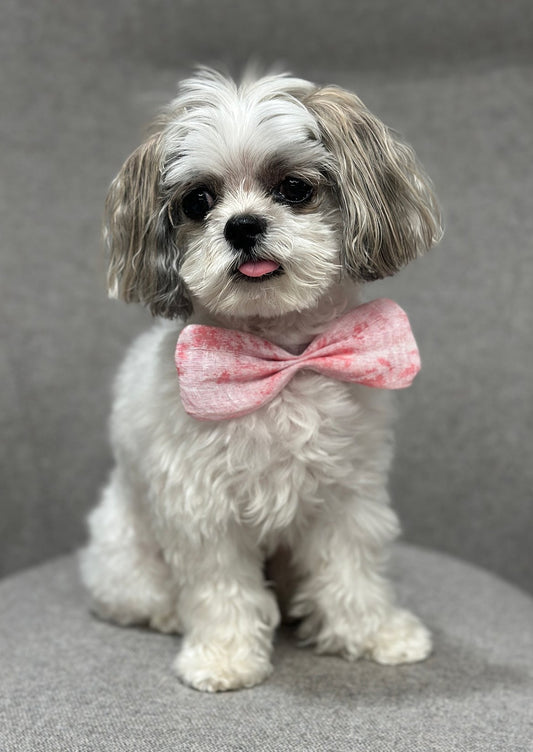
{"x": 247, "y": 222}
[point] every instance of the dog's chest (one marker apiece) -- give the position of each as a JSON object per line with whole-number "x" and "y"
{"x": 281, "y": 459}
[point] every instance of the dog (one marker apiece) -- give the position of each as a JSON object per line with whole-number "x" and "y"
{"x": 258, "y": 210}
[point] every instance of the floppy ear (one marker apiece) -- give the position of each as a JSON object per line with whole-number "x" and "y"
{"x": 140, "y": 238}
{"x": 389, "y": 212}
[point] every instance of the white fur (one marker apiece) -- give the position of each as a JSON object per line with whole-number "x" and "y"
{"x": 193, "y": 509}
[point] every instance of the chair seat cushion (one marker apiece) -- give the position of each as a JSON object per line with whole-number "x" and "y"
{"x": 69, "y": 682}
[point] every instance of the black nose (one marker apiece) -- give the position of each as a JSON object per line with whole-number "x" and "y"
{"x": 243, "y": 230}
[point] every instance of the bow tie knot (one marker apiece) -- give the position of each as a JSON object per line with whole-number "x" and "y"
{"x": 226, "y": 374}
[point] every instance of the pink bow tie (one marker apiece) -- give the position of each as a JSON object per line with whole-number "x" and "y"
{"x": 226, "y": 374}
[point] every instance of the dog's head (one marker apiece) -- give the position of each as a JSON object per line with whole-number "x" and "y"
{"x": 255, "y": 199}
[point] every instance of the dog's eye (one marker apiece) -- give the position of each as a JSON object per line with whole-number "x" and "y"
{"x": 197, "y": 203}
{"x": 293, "y": 191}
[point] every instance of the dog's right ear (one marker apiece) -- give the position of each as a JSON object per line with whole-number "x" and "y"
{"x": 140, "y": 237}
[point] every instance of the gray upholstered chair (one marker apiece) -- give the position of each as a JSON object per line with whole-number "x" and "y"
{"x": 79, "y": 80}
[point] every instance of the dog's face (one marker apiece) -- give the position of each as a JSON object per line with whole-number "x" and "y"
{"x": 253, "y": 215}
{"x": 254, "y": 200}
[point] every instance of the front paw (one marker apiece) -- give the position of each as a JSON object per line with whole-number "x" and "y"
{"x": 218, "y": 667}
{"x": 397, "y": 637}
{"x": 402, "y": 638}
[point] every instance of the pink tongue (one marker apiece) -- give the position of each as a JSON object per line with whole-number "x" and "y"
{"x": 258, "y": 268}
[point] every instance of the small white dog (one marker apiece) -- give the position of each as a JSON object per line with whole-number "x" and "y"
{"x": 259, "y": 207}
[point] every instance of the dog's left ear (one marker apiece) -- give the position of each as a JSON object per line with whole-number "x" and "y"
{"x": 390, "y": 214}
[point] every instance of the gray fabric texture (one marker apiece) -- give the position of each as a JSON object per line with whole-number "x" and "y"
{"x": 70, "y": 682}
{"x": 79, "y": 81}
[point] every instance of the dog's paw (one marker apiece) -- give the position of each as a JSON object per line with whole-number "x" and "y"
{"x": 125, "y": 614}
{"x": 166, "y": 621}
{"x": 402, "y": 638}
{"x": 219, "y": 668}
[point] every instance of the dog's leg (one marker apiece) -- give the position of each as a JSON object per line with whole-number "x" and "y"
{"x": 344, "y": 600}
{"x": 227, "y": 613}
{"x": 122, "y": 567}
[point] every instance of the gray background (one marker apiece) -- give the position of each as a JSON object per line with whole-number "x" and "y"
{"x": 79, "y": 80}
